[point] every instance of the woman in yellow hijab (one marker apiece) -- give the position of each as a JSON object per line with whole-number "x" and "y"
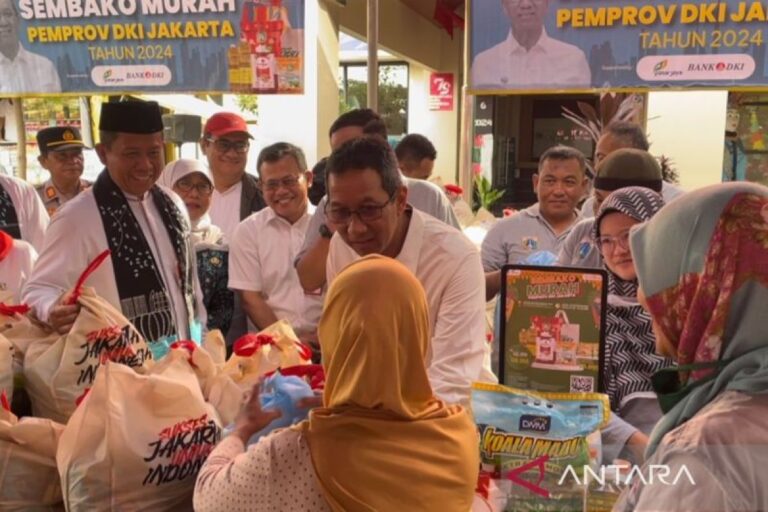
{"x": 381, "y": 441}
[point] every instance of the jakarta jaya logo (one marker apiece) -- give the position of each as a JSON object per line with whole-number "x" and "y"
{"x": 107, "y": 74}
{"x": 661, "y": 65}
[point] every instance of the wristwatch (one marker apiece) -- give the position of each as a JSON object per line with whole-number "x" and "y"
{"x": 325, "y": 232}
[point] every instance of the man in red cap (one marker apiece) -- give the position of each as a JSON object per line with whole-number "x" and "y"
{"x": 236, "y": 195}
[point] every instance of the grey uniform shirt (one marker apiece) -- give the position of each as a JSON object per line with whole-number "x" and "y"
{"x": 422, "y": 195}
{"x": 513, "y": 239}
{"x": 578, "y": 248}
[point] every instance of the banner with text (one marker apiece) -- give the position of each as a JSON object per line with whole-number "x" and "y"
{"x": 537, "y": 45}
{"x": 117, "y": 46}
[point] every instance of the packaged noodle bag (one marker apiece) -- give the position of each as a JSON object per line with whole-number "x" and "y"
{"x": 63, "y": 372}
{"x": 255, "y": 355}
{"x": 137, "y": 442}
{"x": 534, "y": 447}
{"x": 29, "y": 480}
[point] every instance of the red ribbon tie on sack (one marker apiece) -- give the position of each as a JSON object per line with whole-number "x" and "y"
{"x": 7, "y": 310}
{"x": 90, "y": 269}
{"x": 188, "y": 345}
{"x": 249, "y": 344}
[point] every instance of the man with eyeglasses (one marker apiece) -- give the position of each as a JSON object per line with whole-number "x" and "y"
{"x": 369, "y": 211}
{"x": 260, "y": 272}
{"x": 424, "y": 196}
{"x": 528, "y": 57}
{"x": 22, "y": 71}
{"x": 236, "y": 195}
{"x": 61, "y": 154}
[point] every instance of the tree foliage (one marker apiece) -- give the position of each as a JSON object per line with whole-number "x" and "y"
{"x": 393, "y": 100}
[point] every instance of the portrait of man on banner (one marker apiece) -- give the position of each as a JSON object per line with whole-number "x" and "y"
{"x": 22, "y": 71}
{"x": 528, "y": 58}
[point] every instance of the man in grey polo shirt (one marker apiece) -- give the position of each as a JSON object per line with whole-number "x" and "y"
{"x": 560, "y": 183}
{"x": 422, "y": 195}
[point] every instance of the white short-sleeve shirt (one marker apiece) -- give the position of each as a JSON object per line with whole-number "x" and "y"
{"x": 261, "y": 254}
{"x": 448, "y": 266}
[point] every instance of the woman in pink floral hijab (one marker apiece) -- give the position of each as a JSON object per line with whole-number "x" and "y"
{"x": 702, "y": 265}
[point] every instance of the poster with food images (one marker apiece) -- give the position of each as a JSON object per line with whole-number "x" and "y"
{"x": 552, "y": 328}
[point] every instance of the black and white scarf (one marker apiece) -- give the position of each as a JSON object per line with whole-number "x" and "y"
{"x": 144, "y": 298}
{"x": 9, "y": 220}
{"x": 630, "y": 345}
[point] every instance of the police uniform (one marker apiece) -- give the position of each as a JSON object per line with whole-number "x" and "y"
{"x": 58, "y": 138}
{"x": 52, "y": 198}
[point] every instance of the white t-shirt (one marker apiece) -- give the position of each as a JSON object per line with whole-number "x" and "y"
{"x": 15, "y": 270}
{"x": 33, "y": 219}
{"x": 448, "y": 266}
{"x": 260, "y": 255}
{"x": 225, "y": 209}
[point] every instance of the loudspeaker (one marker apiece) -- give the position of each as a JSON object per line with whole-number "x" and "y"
{"x": 181, "y": 128}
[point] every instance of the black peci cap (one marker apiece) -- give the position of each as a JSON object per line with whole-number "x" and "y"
{"x": 59, "y": 138}
{"x": 142, "y": 117}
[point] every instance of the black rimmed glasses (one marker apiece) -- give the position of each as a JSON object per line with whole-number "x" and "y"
{"x": 225, "y": 145}
{"x": 203, "y": 188}
{"x": 366, "y": 213}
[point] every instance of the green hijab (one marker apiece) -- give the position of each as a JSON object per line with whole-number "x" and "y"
{"x": 702, "y": 263}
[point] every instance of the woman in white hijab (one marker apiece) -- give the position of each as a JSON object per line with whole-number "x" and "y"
{"x": 192, "y": 181}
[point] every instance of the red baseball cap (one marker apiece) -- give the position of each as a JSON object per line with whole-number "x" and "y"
{"x": 224, "y": 123}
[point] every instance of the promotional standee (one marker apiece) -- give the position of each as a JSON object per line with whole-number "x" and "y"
{"x": 552, "y": 328}
{"x": 84, "y": 46}
{"x": 561, "y": 44}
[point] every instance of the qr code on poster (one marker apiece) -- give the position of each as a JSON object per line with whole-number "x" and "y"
{"x": 582, "y": 384}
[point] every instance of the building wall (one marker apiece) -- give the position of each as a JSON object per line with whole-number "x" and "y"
{"x": 442, "y": 128}
{"x": 688, "y": 127}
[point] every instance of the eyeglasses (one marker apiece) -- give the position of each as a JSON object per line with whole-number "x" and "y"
{"x": 287, "y": 182}
{"x": 366, "y": 213}
{"x": 203, "y": 188}
{"x": 609, "y": 243}
{"x": 224, "y": 145}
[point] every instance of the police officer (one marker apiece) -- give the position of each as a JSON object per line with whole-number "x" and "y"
{"x": 61, "y": 154}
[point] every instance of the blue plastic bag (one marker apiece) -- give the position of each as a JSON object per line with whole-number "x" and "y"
{"x": 282, "y": 393}
{"x": 541, "y": 258}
